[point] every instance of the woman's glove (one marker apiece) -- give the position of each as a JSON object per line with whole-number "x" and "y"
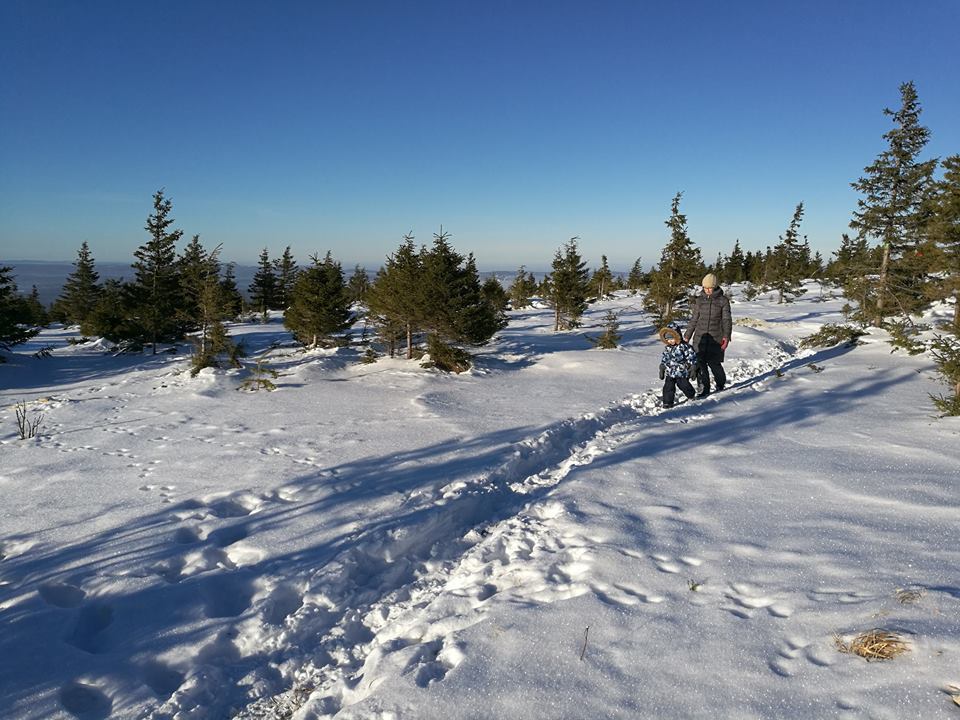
{"x": 724, "y": 343}
{"x": 663, "y": 371}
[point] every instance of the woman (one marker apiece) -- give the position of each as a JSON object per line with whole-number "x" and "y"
{"x": 712, "y": 325}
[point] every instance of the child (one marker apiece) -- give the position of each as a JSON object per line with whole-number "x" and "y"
{"x": 677, "y": 364}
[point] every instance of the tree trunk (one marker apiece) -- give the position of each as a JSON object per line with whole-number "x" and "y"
{"x": 882, "y": 284}
{"x": 409, "y": 341}
{"x": 956, "y": 314}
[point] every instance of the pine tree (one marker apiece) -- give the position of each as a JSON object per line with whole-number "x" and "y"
{"x": 788, "y": 262}
{"x": 263, "y": 287}
{"x": 680, "y": 268}
{"x": 522, "y": 290}
{"x": 601, "y": 283}
{"x": 286, "y": 270}
{"x": 567, "y": 286}
{"x": 232, "y": 299}
{"x": 895, "y": 190}
{"x": 635, "y": 280}
{"x": 13, "y": 321}
{"x": 319, "y": 307}
{"x": 156, "y": 288}
{"x": 81, "y": 290}
{"x": 945, "y": 230}
{"x": 396, "y": 297}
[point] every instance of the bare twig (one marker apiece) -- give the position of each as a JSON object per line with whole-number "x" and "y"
{"x": 584, "y": 650}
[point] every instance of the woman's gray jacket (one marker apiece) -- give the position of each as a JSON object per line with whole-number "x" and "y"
{"x": 711, "y": 316}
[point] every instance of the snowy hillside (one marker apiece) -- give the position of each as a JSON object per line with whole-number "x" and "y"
{"x": 536, "y": 538}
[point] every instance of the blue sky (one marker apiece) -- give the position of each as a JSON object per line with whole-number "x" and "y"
{"x": 516, "y": 125}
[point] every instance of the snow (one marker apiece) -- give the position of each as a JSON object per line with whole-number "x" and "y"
{"x": 535, "y": 538}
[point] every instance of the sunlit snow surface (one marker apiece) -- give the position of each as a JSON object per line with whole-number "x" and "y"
{"x": 536, "y": 538}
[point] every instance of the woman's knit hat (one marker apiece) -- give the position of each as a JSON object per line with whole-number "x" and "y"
{"x": 709, "y": 281}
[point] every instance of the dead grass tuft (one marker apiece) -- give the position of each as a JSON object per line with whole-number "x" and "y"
{"x": 909, "y": 596}
{"x": 874, "y": 644}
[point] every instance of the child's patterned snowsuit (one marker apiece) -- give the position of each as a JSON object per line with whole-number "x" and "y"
{"x": 678, "y": 363}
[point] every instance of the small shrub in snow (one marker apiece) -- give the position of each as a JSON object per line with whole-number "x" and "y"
{"x": 832, "y": 334}
{"x": 874, "y": 644}
{"x": 261, "y": 378}
{"x": 751, "y": 291}
{"x": 610, "y": 338}
{"x": 27, "y": 427}
{"x": 369, "y": 357}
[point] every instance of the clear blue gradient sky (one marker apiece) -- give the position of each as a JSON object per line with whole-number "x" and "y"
{"x": 516, "y": 125}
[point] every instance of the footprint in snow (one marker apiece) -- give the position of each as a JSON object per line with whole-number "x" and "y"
{"x": 85, "y": 701}
{"x": 62, "y": 595}
{"x": 88, "y": 632}
{"x": 161, "y": 678}
{"x": 226, "y": 596}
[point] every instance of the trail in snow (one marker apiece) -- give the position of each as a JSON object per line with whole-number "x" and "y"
{"x": 470, "y": 542}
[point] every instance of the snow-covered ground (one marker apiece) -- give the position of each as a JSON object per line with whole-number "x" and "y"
{"x": 536, "y": 538}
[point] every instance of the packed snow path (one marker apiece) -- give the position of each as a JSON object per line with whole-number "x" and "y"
{"x": 465, "y": 568}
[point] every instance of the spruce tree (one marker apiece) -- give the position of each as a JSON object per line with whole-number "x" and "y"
{"x": 455, "y": 309}
{"x": 494, "y": 294}
{"x": 263, "y": 287}
{"x": 232, "y": 299}
{"x": 895, "y": 190}
{"x": 211, "y": 339}
{"x": 567, "y": 286}
{"x": 319, "y": 306}
{"x": 156, "y": 289}
{"x": 359, "y": 285}
{"x": 81, "y": 290}
{"x": 286, "y": 270}
{"x": 112, "y": 318}
{"x": 195, "y": 267}
{"x": 788, "y": 262}
{"x": 34, "y": 311}
{"x": 522, "y": 290}
{"x": 680, "y": 268}
{"x": 14, "y": 327}
{"x": 635, "y": 280}
{"x": 945, "y": 231}
{"x": 396, "y": 297}
{"x": 610, "y": 338}
{"x": 734, "y": 270}
{"x": 601, "y": 283}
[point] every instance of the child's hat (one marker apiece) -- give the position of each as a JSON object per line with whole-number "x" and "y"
{"x": 673, "y": 330}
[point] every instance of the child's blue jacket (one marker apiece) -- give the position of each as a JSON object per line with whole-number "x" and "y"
{"x": 678, "y": 360}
